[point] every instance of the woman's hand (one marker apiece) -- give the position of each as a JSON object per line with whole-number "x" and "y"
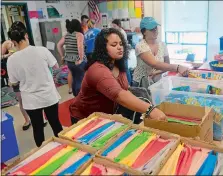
{"x": 156, "y": 114}
{"x": 183, "y": 70}
{"x": 78, "y": 62}
{"x": 5, "y": 56}
{"x": 62, "y": 60}
{"x": 154, "y": 73}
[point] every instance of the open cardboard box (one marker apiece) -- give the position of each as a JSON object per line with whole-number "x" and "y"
{"x": 106, "y": 163}
{"x": 202, "y": 144}
{"x": 53, "y": 139}
{"x": 203, "y": 131}
{"x": 163, "y": 135}
{"x": 118, "y": 118}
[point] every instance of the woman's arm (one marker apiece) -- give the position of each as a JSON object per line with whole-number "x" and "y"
{"x": 4, "y": 48}
{"x": 166, "y": 54}
{"x": 102, "y": 79}
{"x": 130, "y": 101}
{"x": 167, "y": 59}
{"x": 80, "y": 45}
{"x": 60, "y": 48}
{"x": 149, "y": 59}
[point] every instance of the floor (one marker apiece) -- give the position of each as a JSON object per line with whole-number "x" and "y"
{"x": 25, "y": 138}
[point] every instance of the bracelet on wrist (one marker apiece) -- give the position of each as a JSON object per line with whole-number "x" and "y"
{"x": 150, "y": 109}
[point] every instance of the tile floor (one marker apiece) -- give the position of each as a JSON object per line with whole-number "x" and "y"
{"x": 25, "y": 138}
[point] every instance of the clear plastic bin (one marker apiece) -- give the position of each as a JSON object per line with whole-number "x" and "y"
{"x": 198, "y": 87}
{"x": 162, "y": 91}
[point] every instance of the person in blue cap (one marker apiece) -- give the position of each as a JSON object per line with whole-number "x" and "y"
{"x": 152, "y": 55}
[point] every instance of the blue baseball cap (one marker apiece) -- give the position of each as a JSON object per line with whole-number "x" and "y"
{"x": 148, "y": 23}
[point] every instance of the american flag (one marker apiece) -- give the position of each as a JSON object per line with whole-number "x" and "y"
{"x": 92, "y": 4}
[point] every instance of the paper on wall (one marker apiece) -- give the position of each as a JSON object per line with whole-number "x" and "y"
{"x": 138, "y": 12}
{"x": 110, "y": 5}
{"x": 120, "y": 4}
{"x": 115, "y": 14}
{"x": 131, "y": 12}
{"x": 103, "y": 7}
{"x": 125, "y": 4}
{"x": 131, "y": 5}
{"x": 138, "y": 4}
{"x": 50, "y": 45}
{"x": 115, "y": 4}
{"x": 123, "y": 13}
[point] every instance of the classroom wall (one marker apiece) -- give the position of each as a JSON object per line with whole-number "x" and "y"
{"x": 68, "y": 9}
{"x": 155, "y": 9}
{"x": 215, "y": 25}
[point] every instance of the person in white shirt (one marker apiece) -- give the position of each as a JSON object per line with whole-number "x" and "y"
{"x": 28, "y": 71}
{"x": 116, "y": 23}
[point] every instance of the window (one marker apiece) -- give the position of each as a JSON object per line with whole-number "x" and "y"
{"x": 186, "y": 30}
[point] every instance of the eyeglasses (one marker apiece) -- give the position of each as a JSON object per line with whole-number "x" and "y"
{"x": 154, "y": 29}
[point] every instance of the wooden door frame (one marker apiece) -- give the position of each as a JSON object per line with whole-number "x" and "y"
{"x": 26, "y": 16}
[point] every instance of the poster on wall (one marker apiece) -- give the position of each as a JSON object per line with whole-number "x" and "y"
{"x": 53, "y": 12}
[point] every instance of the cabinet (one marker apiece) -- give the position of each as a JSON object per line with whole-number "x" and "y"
{"x": 51, "y": 32}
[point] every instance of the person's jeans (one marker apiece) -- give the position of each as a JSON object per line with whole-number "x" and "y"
{"x": 36, "y": 117}
{"x": 77, "y": 72}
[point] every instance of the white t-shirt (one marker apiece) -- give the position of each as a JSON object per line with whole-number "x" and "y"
{"x": 143, "y": 69}
{"x": 30, "y": 67}
{"x": 123, "y": 33}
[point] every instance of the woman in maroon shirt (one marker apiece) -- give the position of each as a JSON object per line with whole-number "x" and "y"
{"x": 105, "y": 83}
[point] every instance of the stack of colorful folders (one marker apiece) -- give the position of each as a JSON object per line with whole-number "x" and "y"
{"x": 140, "y": 150}
{"x": 184, "y": 120}
{"x": 100, "y": 169}
{"x": 95, "y": 131}
{"x": 52, "y": 159}
{"x": 190, "y": 160}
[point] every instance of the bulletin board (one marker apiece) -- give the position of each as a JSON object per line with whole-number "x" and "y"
{"x": 124, "y": 10}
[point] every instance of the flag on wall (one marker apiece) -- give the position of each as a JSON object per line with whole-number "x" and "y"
{"x": 92, "y": 4}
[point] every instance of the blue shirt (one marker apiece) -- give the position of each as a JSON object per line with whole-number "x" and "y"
{"x": 89, "y": 38}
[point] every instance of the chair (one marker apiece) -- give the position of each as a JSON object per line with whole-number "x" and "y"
{"x": 140, "y": 92}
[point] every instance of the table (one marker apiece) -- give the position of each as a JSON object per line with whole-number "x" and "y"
{"x": 205, "y": 66}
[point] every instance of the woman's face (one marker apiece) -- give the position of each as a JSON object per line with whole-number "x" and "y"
{"x": 151, "y": 34}
{"x": 114, "y": 47}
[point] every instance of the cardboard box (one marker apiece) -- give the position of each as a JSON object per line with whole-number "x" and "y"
{"x": 62, "y": 141}
{"x": 163, "y": 134}
{"x": 118, "y": 118}
{"x": 106, "y": 163}
{"x": 203, "y": 131}
{"x": 202, "y": 144}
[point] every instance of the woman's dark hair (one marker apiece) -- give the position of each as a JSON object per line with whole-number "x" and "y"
{"x": 100, "y": 53}
{"x": 17, "y": 31}
{"x": 84, "y": 17}
{"x": 143, "y": 30}
{"x": 117, "y": 22}
{"x": 73, "y": 26}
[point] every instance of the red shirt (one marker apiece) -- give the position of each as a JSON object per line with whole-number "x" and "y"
{"x": 99, "y": 91}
